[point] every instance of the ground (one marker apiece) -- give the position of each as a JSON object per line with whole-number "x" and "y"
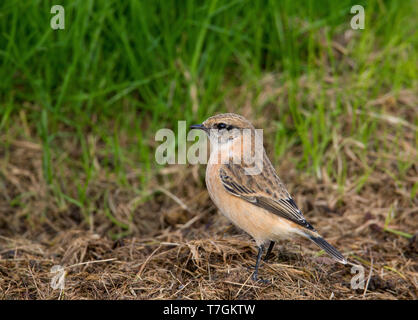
{"x": 80, "y": 107}
{"x": 180, "y": 247}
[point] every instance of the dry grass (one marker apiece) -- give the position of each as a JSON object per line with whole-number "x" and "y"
{"x": 179, "y": 247}
{"x": 169, "y": 242}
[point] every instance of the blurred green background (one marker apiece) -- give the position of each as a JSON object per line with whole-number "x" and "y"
{"x": 121, "y": 70}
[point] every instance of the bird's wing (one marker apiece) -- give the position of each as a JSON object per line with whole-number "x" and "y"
{"x": 264, "y": 190}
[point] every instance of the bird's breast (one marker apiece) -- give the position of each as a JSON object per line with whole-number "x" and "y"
{"x": 259, "y": 223}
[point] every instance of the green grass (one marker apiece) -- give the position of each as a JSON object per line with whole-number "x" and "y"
{"x": 121, "y": 70}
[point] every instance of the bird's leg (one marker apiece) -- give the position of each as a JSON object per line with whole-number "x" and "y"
{"x": 260, "y": 252}
{"x": 267, "y": 256}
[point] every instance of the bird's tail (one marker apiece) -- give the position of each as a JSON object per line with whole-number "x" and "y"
{"x": 321, "y": 242}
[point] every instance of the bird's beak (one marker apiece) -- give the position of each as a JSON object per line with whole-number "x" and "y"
{"x": 198, "y": 126}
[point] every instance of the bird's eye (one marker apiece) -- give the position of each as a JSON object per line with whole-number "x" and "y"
{"x": 221, "y": 126}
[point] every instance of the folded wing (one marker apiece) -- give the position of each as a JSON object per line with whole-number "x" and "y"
{"x": 264, "y": 190}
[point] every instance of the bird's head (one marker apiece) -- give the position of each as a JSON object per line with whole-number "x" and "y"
{"x": 224, "y": 127}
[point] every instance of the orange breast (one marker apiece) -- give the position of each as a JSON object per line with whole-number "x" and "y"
{"x": 259, "y": 223}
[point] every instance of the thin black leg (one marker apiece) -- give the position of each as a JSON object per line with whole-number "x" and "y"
{"x": 267, "y": 256}
{"x": 260, "y": 253}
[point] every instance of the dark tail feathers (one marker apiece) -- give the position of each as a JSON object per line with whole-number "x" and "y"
{"x": 329, "y": 249}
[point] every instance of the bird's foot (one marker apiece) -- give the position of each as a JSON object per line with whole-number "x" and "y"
{"x": 255, "y": 278}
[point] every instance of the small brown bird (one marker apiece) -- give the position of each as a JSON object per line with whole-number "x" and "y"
{"x": 256, "y": 202}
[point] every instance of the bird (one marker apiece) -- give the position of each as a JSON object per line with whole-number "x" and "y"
{"x": 256, "y": 202}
